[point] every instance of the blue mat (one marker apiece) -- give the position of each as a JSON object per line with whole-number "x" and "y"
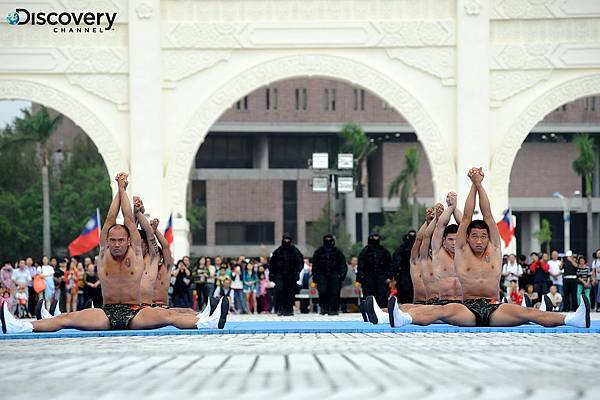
{"x": 291, "y": 326}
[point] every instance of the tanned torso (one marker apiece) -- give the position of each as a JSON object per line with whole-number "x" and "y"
{"x": 479, "y": 276}
{"x": 120, "y": 280}
{"x": 431, "y": 282}
{"x": 161, "y": 285}
{"x": 417, "y": 281}
{"x": 445, "y": 271}
{"x": 148, "y": 279}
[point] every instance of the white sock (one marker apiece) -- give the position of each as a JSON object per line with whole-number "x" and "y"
{"x": 212, "y": 321}
{"x": 543, "y": 304}
{"x": 577, "y": 319}
{"x": 400, "y": 318}
{"x": 14, "y": 325}
{"x": 382, "y": 318}
{"x": 205, "y": 313}
{"x": 57, "y": 309}
{"x": 45, "y": 313}
{"x": 524, "y": 302}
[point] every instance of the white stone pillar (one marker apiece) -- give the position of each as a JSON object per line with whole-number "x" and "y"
{"x": 534, "y": 226}
{"x": 181, "y": 238}
{"x": 472, "y": 92}
{"x": 146, "y": 145}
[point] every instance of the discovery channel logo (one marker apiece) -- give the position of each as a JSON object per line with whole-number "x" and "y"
{"x": 93, "y": 22}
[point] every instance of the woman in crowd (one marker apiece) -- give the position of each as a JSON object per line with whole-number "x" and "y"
{"x": 72, "y": 286}
{"x": 92, "y": 291}
{"x": 263, "y": 297}
{"x": 250, "y": 287}
{"x": 584, "y": 278}
{"x": 183, "y": 280}
{"x": 47, "y": 272}
{"x": 199, "y": 277}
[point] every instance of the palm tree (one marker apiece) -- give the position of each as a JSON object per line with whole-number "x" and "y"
{"x": 406, "y": 182}
{"x": 37, "y": 128}
{"x": 358, "y": 143}
{"x": 544, "y": 235}
{"x": 584, "y": 165}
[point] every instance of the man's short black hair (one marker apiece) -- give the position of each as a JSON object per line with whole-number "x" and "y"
{"x": 478, "y": 224}
{"x": 452, "y": 228}
{"x": 122, "y": 226}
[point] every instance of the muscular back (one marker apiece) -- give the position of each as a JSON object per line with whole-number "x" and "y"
{"x": 445, "y": 272}
{"x": 120, "y": 280}
{"x": 479, "y": 276}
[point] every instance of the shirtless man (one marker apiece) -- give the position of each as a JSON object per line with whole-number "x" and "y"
{"x": 430, "y": 280}
{"x": 120, "y": 268}
{"x": 478, "y": 261}
{"x": 415, "y": 266}
{"x": 442, "y": 255}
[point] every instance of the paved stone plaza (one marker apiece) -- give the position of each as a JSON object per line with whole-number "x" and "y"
{"x": 305, "y": 366}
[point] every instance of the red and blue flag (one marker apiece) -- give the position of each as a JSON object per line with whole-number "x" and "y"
{"x": 88, "y": 239}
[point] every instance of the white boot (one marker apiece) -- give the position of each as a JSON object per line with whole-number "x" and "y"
{"x": 545, "y": 304}
{"x": 524, "y": 301}
{"x": 382, "y": 318}
{"x": 397, "y": 317}
{"x": 12, "y": 325}
{"x": 57, "y": 308}
{"x": 581, "y": 317}
{"x": 45, "y": 313}
{"x": 217, "y": 319}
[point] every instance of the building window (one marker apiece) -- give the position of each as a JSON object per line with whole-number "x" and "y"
{"x": 385, "y": 105}
{"x": 221, "y": 150}
{"x": 293, "y": 151}
{"x": 242, "y": 104}
{"x": 359, "y": 100}
{"x": 290, "y": 208}
{"x": 590, "y": 103}
{"x": 329, "y": 99}
{"x": 271, "y": 98}
{"x": 301, "y": 99}
{"x": 240, "y": 233}
{"x": 198, "y": 201}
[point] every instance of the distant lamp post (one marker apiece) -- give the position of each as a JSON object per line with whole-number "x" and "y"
{"x": 566, "y": 217}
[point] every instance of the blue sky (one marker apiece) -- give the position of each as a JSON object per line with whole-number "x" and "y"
{"x": 10, "y": 109}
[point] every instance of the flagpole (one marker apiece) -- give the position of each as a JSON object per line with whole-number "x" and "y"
{"x": 99, "y": 229}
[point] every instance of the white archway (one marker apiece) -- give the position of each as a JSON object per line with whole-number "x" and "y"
{"x": 82, "y": 116}
{"x": 536, "y": 110}
{"x": 326, "y": 66}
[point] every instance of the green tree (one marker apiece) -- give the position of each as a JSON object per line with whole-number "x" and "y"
{"x": 406, "y": 182}
{"x": 37, "y": 128}
{"x": 319, "y": 228}
{"x": 544, "y": 235}
{"x": 196, "y": 216}
{"x": 584, "y": 165}
{"x": 358, "y": 143}
{"x": 396, "y": 225}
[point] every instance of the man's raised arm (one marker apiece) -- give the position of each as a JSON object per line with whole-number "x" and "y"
{"x": 486, "y": 209}
{"x": 438, "y": 233}
{"x": 461, "y": 235}
{"x": 138, "y": 207}
{"x": 111, "y": 216}
{"x": 424, "y": 250}
{"x": 168, "y": 258}
{"x": 136, "y": 240}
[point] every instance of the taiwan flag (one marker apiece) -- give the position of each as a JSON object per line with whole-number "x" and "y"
{"x": 169, "y": 230}
{"x": 89, "y": 238}
{"x": 506, "y": 228}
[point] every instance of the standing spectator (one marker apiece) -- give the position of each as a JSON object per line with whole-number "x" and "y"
{"x": 511, "y": 271}
{"x": 555, "y": 269}
{"x": 374, "y": 267}
{"x": 263, "y": 297}
{"x": 32, "y": 297}
{"x": 584, "y": 278}
{"x": 555, "y": 297}
{"x": 210, "y": 280}
{"x": 60, "y": 282}
{"x": 286, "y": 264}
{"x": 71, "y": 282}
{"x": 21, "y": 278}
{"x": 570, "y": 283}
{"x": 47, "y": 272}
{"x": 92, "y": 291}
{"x": 596, "y": 278}
{"x": 250, "y": 281}
{"x": 539, "y": 268}
{"x": 199, "y": 277}
{"x": 237, "y": 284}
{"x": 525, "y": 279}
{"x": 81, "y": 283}
{"x": 182, "y": 275}
{"x": 7, "y": 280}
{"x": 401, "y": 268}
{"x": 304, "y": 283}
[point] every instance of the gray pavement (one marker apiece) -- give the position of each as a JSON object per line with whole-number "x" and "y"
{"x": 305, "y": 366}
